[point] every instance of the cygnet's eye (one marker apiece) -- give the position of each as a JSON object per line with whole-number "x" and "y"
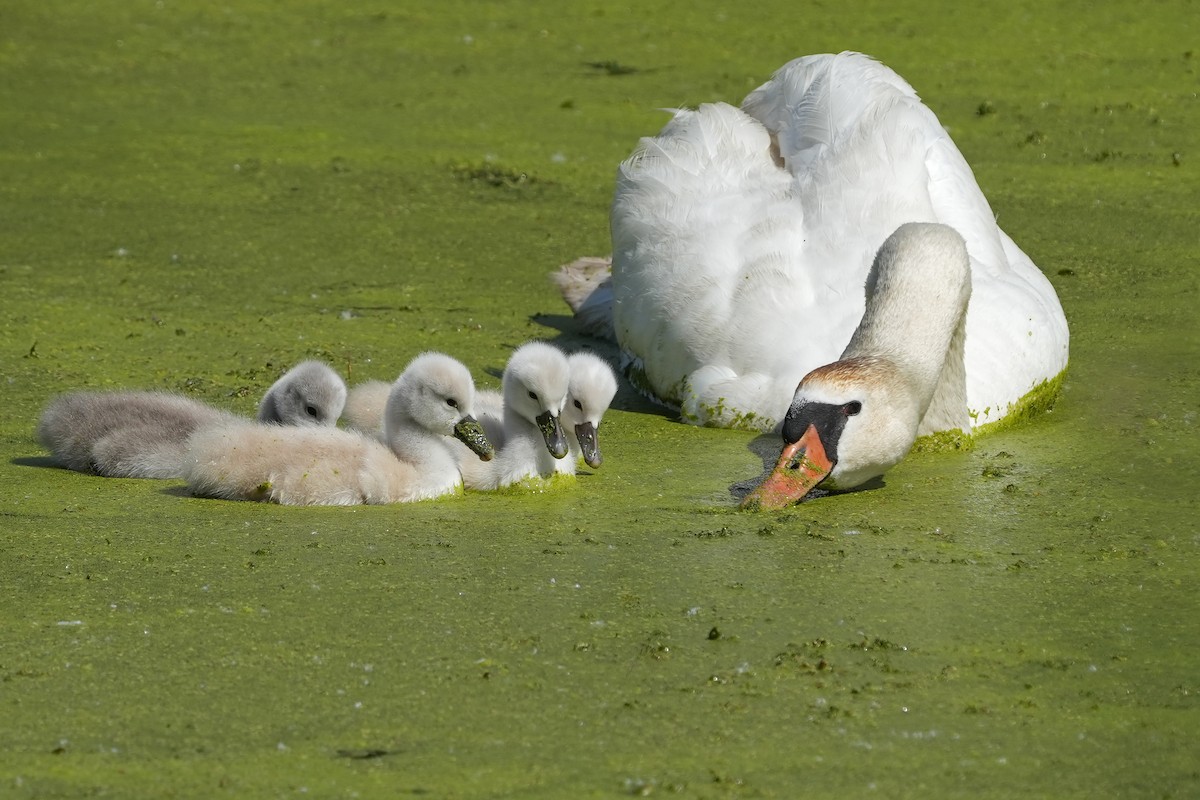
{"x": 312, "y": 411}
{"x": 532, "y": 395}
{"x": 579, "y": 405}
{"x": 852, "y": 408}
{"x": 450, "y": 401}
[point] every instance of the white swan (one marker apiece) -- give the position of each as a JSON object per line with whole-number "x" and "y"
{"x": 742, "y": 237}
{"x": 309, "y": 392}
{"x": 901, "y": 376}
{"x": 528, "y": 433}
{"x": 142, "y": 434}
{"x": 410, "y": 460}
{"x": 590, "y": 391}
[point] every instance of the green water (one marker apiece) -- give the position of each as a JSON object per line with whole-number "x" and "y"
{"x": 195, "y": 196}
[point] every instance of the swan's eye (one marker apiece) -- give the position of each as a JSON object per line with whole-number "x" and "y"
{"x": 450, "y": 401}
{"x": 850, "y": 409}
{"x": 579, "y": 405}
{"x": 312, "y": 411}
{"x": 533, "y": 395}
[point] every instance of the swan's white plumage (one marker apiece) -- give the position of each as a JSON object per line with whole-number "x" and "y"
{"x": 534, "y": 385}
{"x": 142, "y": 434}
{"x": 410, "y": 459}
{"x": 742, "y": 239}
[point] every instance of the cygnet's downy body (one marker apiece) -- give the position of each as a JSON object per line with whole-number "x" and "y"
{"x": 365, "y": 404}
{"x": 529, "y": 436}
{"x": 411, "y": 460}
{"x": 143, "y": 434}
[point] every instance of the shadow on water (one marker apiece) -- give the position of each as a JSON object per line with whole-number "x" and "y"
{"x": 571, "y": 340}
{"x": 45, "y": 462}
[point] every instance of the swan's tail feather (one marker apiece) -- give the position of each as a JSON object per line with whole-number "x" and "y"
{"x": 706, "y": 151}
{"x": 586, "y": 286}
{"x": 810, "y": 99}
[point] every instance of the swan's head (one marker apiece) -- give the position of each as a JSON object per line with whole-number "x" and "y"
{"x": 310, "y": 393}
{"x": 849, "y": 421}
{"x": 535, "y": 389}
{"x": 436, "y": 393}
{"x": 591, "y": 390}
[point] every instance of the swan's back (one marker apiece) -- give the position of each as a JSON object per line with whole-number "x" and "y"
{"x": 742, "y": 239}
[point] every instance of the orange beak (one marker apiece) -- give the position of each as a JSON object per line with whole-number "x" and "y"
{"x": 802, "y": 465}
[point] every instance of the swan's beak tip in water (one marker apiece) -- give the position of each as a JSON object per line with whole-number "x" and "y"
{"x": 802, "y": 465}
{"x": 470, "y": 432}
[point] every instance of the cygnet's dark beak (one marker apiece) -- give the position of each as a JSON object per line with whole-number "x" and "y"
{"x": 552, "y": 432}
{"x": 585, "y": 432}
{"x": 470, "y": 432}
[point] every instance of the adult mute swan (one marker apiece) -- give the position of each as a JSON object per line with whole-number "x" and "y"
{"x": 742, "y": 239}
{"x": 900, "y": 376}
{"x": 410, "y": 460}
{"x": 143, "y": 434}
{"x": 525, "y": 423}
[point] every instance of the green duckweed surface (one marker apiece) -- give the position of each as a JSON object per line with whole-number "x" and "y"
{"x": 194, "y": 196}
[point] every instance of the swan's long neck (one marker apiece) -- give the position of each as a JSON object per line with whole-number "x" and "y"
{"x": 917, "y": 294}
{"x": 948, "y": 407}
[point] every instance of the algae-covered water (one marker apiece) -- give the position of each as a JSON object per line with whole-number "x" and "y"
{"x": 195, "y": 196}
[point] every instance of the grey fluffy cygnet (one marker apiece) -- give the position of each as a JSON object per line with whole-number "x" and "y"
{"x": 142, "y": 434}
{"x": 410, "y": 459}
{"x": 309, "y": 393}
{"x": 590, "y": 392}
{"x": 528, "y": 434}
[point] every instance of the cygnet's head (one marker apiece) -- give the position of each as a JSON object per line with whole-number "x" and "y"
{"x": 591, "y": 389}
{"x": 436, "y": 393}
{"x": 310, "y": 393}
{"x": 535, "y": 386}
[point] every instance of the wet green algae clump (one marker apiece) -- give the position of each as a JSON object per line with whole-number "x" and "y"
{"x": 1039, "y": 400}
